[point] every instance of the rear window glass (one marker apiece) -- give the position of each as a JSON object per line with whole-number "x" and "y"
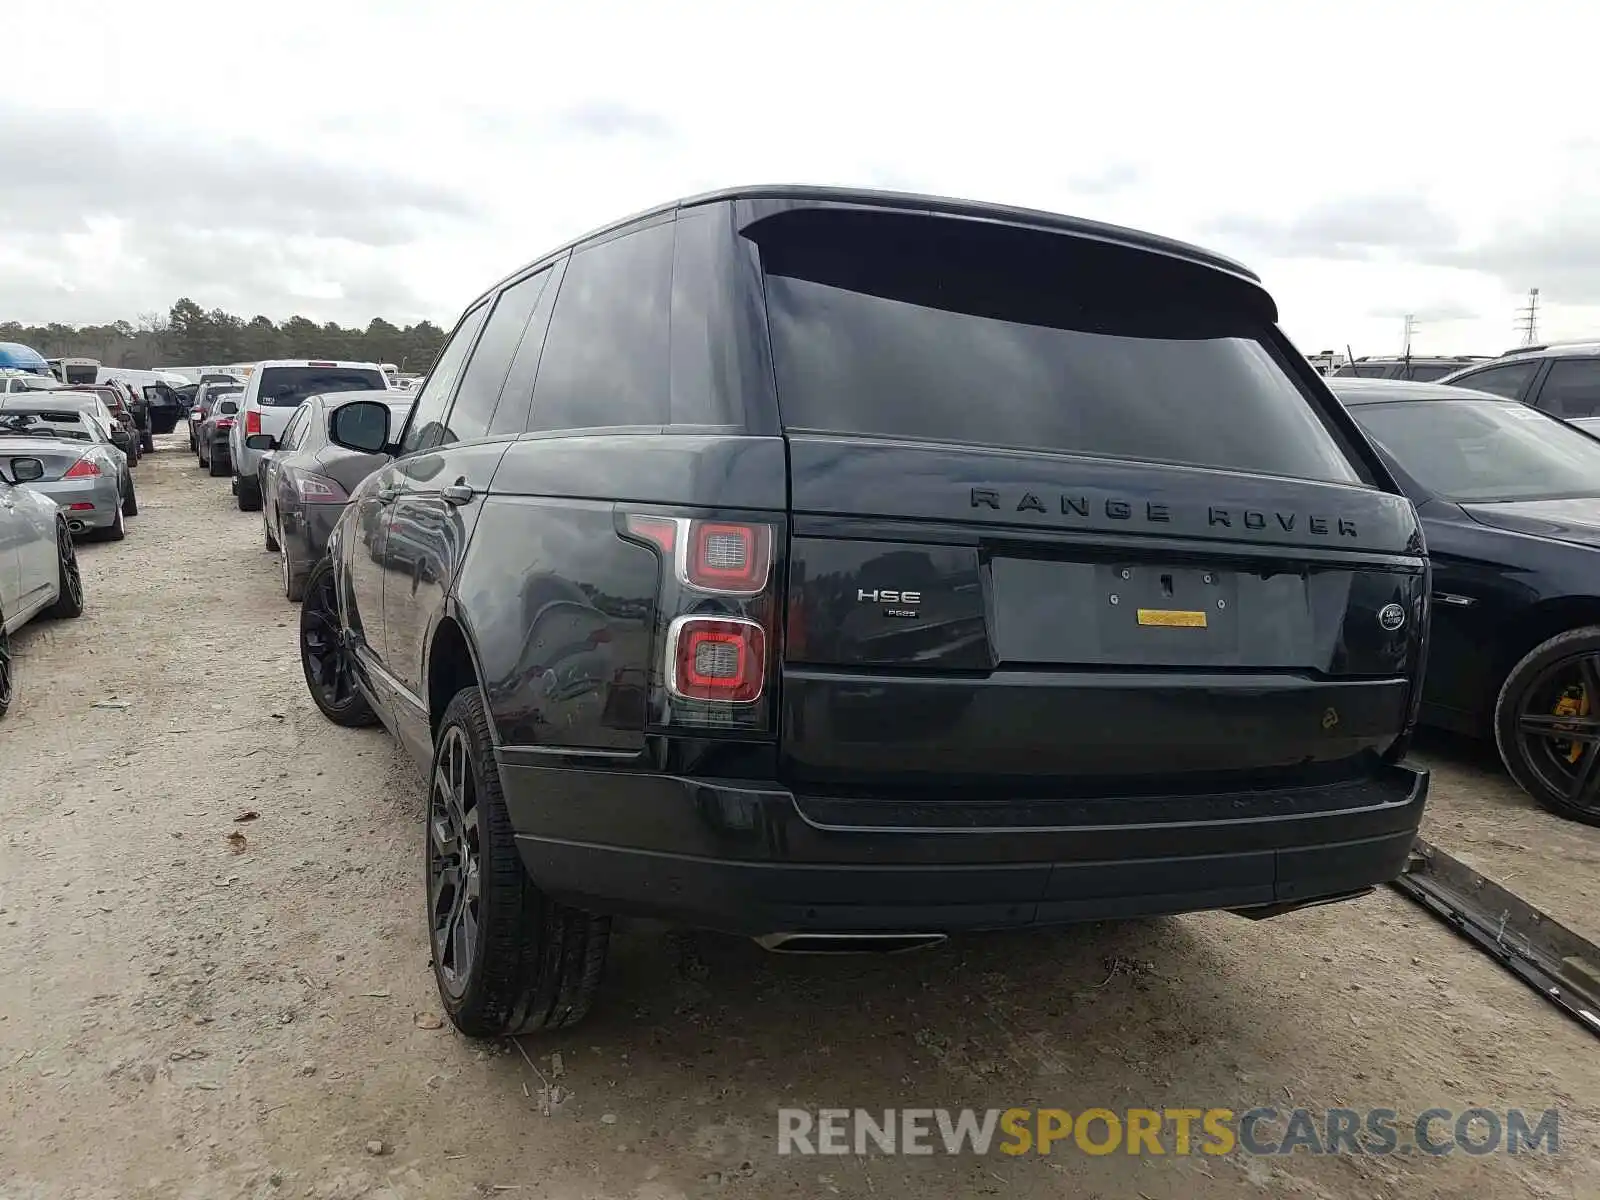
{"x": 1485, "y": 450}
{"x": 288, "y": 387}
{"x": 1016, "y": 340}
{"x": 45, "y": 424}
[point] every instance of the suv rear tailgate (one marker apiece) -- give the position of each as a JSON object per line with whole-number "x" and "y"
{"x": 982, "y": 643}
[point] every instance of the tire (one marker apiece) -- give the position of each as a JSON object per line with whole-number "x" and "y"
{"x": 319, "y": 619}
{"x": 1560, "y": 673}
{"x": 130, "y": 502}
{"x": 294, "y": 582}
{"x": 216, "y": 467}
{"x": 7, "y": 678}
{"x": 248, "y": 494}
{"x": 266, "y": 532}
{"x": 533, "y": 964}
{"x": 118, "y": 529}
{"x": 194, "y": 445}
{"x": 69, "y": 583}
{"x": 147, "y": 442}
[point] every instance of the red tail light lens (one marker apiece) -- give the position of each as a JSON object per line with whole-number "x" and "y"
{"x": 725, "y": 557}
{"x": 225, "y": 423}
{"x": 252, "y": 423}
{"x": 716, "y": 658}
{"x": 82, "y": 469}
{"x": 314, "y": 489}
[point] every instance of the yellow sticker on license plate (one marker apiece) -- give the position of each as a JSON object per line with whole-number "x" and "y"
{"x": 1172, "y": 618}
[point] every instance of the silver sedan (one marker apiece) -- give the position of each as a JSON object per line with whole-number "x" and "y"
{"x": 84, "y": 473}
{"x": 38, "y": 566}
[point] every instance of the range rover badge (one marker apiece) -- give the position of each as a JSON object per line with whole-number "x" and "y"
{"x": 1391, "y": 617}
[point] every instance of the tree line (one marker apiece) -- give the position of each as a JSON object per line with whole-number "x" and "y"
{"x": 187, "y": 335}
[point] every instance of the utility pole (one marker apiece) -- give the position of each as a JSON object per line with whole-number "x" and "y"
{"x": 1528, "y": 318}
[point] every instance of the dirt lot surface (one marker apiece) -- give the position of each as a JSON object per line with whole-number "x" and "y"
{"x": 187, "y": 1014}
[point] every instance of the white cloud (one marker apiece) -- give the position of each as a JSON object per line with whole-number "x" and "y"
{"x": 344, "y": 157}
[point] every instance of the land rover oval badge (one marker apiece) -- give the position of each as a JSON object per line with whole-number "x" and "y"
{"x": 1391, "y": 617}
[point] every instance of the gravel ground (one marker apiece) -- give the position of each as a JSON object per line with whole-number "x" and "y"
{"x": 187, "y": 1014}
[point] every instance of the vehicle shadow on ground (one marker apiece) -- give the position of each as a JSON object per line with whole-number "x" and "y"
{"x": 1087, "y": 1013}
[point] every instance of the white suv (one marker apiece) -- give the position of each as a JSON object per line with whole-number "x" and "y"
{"x": 275, "y": 389}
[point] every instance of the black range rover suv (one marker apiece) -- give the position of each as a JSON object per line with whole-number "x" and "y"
{"x": 846, "y": 569}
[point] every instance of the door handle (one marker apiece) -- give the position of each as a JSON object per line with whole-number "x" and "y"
{"x": 456, "y": 493}
{"x": 388, "y": 495}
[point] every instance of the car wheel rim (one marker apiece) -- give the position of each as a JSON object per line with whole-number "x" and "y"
{"x": 324, "y": 650}
{"x": 1558, "y": 729}
{"x": 455, "y": 856}
{"x": 70, "y": 577}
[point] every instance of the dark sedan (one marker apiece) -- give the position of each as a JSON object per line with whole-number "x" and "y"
{"x": 307, "y": 479}
{"x": 1510, "y": 505}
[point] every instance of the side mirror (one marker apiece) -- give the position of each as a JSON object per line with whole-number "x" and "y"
{"x": 26, "y": 470}
{"x": 360, "y": 425}
{"x": 261, "y": 441}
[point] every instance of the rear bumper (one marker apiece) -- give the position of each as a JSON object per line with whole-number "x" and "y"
{"x": 752, "y": 859}
{"x": 102, "y": 492}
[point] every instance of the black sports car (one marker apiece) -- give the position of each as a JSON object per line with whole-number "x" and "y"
{"x": 1510, "y": 504}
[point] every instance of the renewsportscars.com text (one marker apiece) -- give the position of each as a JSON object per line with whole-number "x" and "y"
{"x": 1166, "y": 1131}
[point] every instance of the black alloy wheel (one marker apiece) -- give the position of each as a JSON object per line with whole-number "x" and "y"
{"x": 455, "y": 864}
{"x": 326, "y": 655}
{"x": 5, "y": 667}
{"x": 69, "y": 580}
{"x": 1547, "y": 724}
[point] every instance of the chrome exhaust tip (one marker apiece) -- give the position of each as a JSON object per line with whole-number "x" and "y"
{"x": 76, "y": 526}
{"x": 849, "y": 943}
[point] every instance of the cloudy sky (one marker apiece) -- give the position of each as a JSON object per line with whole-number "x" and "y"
{"x": 346, "y": 158}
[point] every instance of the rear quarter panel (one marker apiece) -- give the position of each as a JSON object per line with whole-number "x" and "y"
{"x": 563, "y": 611}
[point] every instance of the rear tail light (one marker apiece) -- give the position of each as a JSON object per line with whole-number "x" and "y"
{"x": 82, "y": 469}
{"x": 81, "y": 506}
{"x": 716, "y": 658}
{"x": 717, "y": 612}
{"x": 227, "y": 423}
{"x": 722, "y": 557}
{"x": 252, "y": 423}
{"x": 314, "y": 489}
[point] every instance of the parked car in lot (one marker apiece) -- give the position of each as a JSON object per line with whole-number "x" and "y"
{"x": 12, "y": 380}
{"x": 306, "y": 480}
{"x": 83, "y": 472}
{"x": 275, "y": 389}
{"x": 1417, "y": 369}
{"x": 1510, "y": 505}
{"x": 130, "y": 410}
{"x": 159, "y": 390}
{"x": 38, "y": 562}
{"x": 60, "y": 399}
{"x": 1562, "y": 378}
{"x": 961, "y": 567}
{"x": 215, "y": 429}
{"x": 205, "y": 397}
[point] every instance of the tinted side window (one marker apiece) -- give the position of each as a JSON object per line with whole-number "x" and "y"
{"x": 427, "y": 416}
{"x": 1572, "y": 389}
{"x": 516, "y": 397}
{"x": 1507, "y": 380}
{"x": 491, "y": 361}
{"x": 605, "y": 360}
{"x": 714, "y": 331}
{"x": 294, "y": 433}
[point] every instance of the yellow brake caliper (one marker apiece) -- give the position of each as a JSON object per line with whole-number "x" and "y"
{"x": 1574, "y": 702}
